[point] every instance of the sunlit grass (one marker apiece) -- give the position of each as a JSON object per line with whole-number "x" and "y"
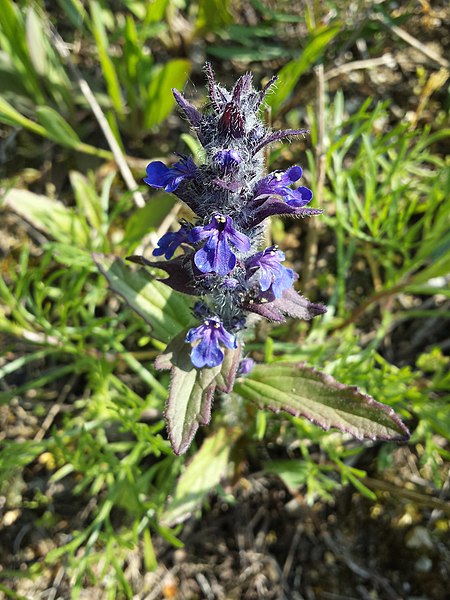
{"x": 70, "y": 343}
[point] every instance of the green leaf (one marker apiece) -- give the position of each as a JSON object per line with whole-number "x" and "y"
{"x": 195, "y": 148}
{"x": 36, "y": 42}
{"x": 159, "y": 102}
{"x": 166, "y": 311}
{"x": 268, "y": 13}
{"x": 245, "y": 54}
{"x": 150, "y": 560}
{"x": 88, "y": 201}
{"x": 10, "y": 116}
{"x": 347, "y": 475}
{"x": 109, "y": 71}
{"x": 16, "y": 455}
{"x": 154, "y": 10}
{"x": 49, "y": 216}
{"x": 70, "y": 255}
{"x": 213, "y": 14}
{"x": 290, "y": 73}
{"x": 14, "y": 42}
{"x": 53, "y": 127}
{"x": 203, "y": 474}
{"x": 302, "y": 391}
{"x": 57, "y": 129}
{"x": 145, "y": 219}
{"x": 293, "y": 473}
{"x": 75, "y": 12}
{"x": 191, "y": 390}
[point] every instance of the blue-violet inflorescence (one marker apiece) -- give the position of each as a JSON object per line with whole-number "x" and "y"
{"x": 222, "y": 261}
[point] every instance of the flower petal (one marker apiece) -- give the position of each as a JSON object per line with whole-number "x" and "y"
{"x": 207, "y": 353}
{"x": 265, "y": 278}
{"x": 158, "y": 174}
{"x": 195, "y": 333}
{"x": 201, "y": 232}
{"x": 294, "y": 173}
{"x": 283, "y": 281}
{"x": 240, "y": 241}
{"x": 170, "y": 241}
{"x": 215, "y": 256}
{"x": 161, "y": 176}
{"x": 227, "y": 160}
{"x": 227, "y": 339}
{"x": 299, "y": 197}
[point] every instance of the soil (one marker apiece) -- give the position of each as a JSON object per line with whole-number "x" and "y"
{"x": 266, "y": 543}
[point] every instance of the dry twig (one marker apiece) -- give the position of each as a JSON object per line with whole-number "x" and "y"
{"x": 414, "y": 42}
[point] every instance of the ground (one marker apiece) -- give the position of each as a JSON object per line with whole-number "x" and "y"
{"x": 254, "y": 539}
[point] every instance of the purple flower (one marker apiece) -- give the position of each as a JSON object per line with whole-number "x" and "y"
{"x": 216, "y": 255}
{"x": 207, "y": 352}
{"x": 278, "y": 182}
{"x": 161, "y": 176}
{"x": 245, "y": 366}
{"x": 267, "y": 267}
{"x": 227, "y": 160}
{"x": 170, "y": 242}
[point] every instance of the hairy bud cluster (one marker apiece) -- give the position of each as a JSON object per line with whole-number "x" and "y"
{"x": 221, "y": 260}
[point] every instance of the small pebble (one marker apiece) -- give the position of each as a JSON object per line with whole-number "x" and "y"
{"x": 423, "y": 564}
{"x": 419, "y": 537}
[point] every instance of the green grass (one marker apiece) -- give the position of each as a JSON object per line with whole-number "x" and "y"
{"x": 71, "y": 346}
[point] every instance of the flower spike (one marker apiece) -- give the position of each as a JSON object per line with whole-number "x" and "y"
{"x": 221, "y": 260}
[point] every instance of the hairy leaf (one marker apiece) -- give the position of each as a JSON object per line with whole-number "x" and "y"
{"x": 303, "y": 391}
{"x": 191, "y": 390}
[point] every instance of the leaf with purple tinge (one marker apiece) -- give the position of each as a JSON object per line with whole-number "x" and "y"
{"x": 191, "y": 390}
{"x": 291, "y": 304}
{"x": 268, "y": 206}
{"x": 166, "y": 311}
{"x": 303, "y": 391}
{"x": 295, "y": 305}
{"x": 192, "y": 114}
{"x": 180, "y": 272}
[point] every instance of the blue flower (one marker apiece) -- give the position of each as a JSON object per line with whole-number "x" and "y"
{"x": 211, "y": 333}
{"x": 216, "y": 255}
{"x": 278, "y": 182}
{"x": 271, "y": 274}
{"x": 227, "y": 160}
{"x": 170, "y": 242}
{"x": 161, "y": 176}
{"x": 245, "y": 366}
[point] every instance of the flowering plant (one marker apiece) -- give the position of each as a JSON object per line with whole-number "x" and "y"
{"x": 219, "y": 259}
